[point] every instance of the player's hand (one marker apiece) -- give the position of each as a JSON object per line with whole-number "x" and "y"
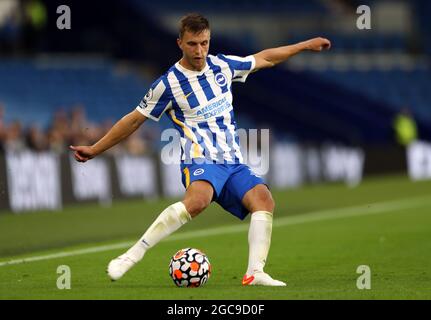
{"x": 83, "y": 153}
{"x": 318, "y": 44}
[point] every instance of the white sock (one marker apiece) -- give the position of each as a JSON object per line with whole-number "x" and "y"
{"x": 170, "y": 220}
{"x": 259, "y": 240}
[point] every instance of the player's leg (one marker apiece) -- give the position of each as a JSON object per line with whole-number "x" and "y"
{"x": 259, "y": 198}
{"x": 198, "y": 196}
{"x": 260, "y": 203}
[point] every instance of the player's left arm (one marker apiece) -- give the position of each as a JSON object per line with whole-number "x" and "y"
{"x": 268, "y": 58}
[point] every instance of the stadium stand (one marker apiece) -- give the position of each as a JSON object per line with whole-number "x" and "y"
{"x": 46, "y": 85}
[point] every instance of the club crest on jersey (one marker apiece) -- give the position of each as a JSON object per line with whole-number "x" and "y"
{"x": 198, "y": 172}
{"x": 220, "y": 79}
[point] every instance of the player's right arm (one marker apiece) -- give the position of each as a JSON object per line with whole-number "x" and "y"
{"x": 153, "y": 105}
{"x": 120, "y": 131}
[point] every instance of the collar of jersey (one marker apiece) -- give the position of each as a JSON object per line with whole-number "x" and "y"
{"x": 191, "y": 72}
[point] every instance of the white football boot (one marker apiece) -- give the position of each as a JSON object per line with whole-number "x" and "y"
{"x": 261, "y": 278}
{"x": 119, "y": 266}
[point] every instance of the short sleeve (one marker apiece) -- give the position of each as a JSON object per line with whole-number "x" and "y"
{"x": 241, "y": 67}
{"x": 157, "y": 100}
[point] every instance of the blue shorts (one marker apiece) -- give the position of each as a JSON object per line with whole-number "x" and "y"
{"x": 229, "y": 181}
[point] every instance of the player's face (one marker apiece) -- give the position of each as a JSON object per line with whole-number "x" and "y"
{"x": 195, "y": 48}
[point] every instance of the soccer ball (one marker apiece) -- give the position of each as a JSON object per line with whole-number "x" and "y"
{"x": 190, "y": 268}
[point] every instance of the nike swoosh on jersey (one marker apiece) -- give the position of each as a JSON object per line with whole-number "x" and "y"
{"x": 188, "y": 95}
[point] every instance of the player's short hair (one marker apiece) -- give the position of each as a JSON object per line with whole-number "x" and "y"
{"x": 193, "y": 22}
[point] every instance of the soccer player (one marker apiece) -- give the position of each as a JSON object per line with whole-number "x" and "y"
{"x": 196, "y": 95}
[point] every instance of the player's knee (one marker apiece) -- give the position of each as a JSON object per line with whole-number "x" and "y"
{"x": 265, "y": 203}
{"x": 269, "y": 204}
{"x": 196, "y": 206}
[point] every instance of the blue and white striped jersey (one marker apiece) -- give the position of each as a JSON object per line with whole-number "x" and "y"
{"x": 199, "y": 103}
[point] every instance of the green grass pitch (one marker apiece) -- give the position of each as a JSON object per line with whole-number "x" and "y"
{"x": 321, "y": 235}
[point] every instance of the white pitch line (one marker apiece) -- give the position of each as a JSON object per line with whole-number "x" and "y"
{"x": 321, "y": 215}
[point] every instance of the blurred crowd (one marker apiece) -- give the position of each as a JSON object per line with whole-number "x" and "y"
{"x": 22, "y": 25}
{"x": 70, "y": 128}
